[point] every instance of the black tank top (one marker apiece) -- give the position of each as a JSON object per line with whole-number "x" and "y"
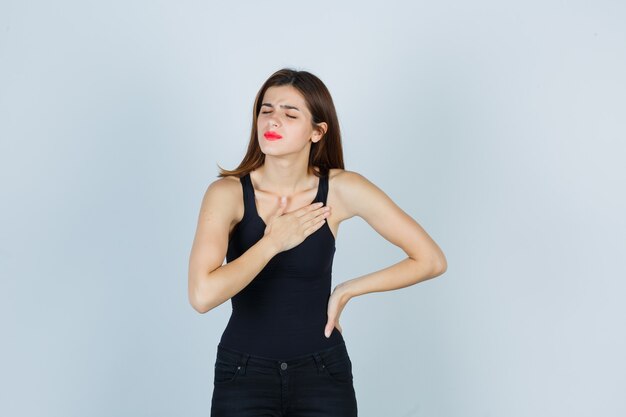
{"x": 282, "y": 313}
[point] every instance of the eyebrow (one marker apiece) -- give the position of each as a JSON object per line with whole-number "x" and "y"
{"x": 284, "y": 106}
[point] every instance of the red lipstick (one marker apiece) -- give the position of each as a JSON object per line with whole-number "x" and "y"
{"x": 271, "y": 135}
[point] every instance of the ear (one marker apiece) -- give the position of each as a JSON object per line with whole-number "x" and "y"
{"x": 319, "y": 132}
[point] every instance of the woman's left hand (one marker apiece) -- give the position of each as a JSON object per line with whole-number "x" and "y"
{"x": 336, "y": 302}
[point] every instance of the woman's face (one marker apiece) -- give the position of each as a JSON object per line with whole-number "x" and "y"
{"x": 284, "y": 113}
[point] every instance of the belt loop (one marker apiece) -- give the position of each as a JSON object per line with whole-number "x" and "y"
{"x": 318, "y": 361}
{"x": 243, "y": 362}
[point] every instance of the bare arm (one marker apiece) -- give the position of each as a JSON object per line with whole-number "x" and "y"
{"x": 425, "y": 260}
{"x": 209, "y": 282}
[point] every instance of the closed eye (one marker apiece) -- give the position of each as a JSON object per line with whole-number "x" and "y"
{"x": 265, "y": 112}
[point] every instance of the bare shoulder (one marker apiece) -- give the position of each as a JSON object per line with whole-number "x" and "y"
{"x": 361, "y": 197}
{"x": 343, "y": 175}
{"x": 225, "y": 187}
{"x": 350, "y": 191}
{"x": 223, "y": 199}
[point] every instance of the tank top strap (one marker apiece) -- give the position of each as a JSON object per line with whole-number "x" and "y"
{"x": 248, "y": 194}
{"x": 323, "y": 191}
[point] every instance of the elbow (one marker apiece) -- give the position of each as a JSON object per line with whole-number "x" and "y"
{"x": 440, "y": 266}
{"x": 199, "y": 303}
{"x": 197, "y": 306}
{"x": 200, "y": 308}
{"x": 434, "y": 264}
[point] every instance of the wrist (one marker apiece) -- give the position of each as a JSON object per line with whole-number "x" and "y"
{"x": 345, "y": 291}
{"x": 271, "y": 248}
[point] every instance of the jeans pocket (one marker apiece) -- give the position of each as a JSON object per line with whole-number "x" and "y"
{"x": 339, "y": 370}
{"x": 225, "y": 372}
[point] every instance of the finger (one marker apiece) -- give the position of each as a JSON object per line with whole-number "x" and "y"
{"x": 319, "y": 219}
{"x": 312, "y": 218}
{"x": 314, "y": 227}
{"x": 330, "y": 323}
{"x": 308, "y": 209}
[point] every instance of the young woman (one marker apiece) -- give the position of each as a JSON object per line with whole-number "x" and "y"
{"x": 276, "y": 218}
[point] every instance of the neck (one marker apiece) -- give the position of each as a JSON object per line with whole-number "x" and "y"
{"x": 284, "y": 177}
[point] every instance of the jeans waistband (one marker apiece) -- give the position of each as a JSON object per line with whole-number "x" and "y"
{"x": 244, "y": 359}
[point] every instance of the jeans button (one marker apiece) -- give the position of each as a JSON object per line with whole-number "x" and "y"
{"x": 283, "y": 366}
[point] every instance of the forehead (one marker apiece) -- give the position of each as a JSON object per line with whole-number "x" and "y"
{"x": 284, "y": 94}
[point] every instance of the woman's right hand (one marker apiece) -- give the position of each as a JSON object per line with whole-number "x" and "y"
{"x": 287, "y": 230}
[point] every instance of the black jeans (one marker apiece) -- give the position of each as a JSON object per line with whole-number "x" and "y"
{"x": 318, "y": 384}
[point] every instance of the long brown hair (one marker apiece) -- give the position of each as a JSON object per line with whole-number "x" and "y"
{"x": 326, "y": 153}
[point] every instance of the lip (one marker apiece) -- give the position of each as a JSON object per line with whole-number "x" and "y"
{"x": 271, "y": 135}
